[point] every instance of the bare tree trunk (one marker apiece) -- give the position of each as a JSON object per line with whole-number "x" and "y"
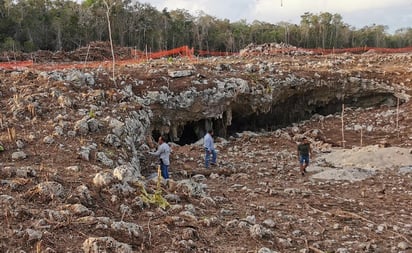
{"x": 59, "y": 38}
{"x": 110, "y": 38}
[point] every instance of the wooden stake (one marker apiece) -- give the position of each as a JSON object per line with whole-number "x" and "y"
{"x": 87, "y": 55}
{"x": 397, "y": 117}
{"x": 361, "y": 136}
{"x": 343, "y": 126}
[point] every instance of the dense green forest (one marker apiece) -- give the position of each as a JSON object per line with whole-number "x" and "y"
{"x": 29, "y": 25}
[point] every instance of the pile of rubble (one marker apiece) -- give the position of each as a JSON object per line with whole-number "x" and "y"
{"x": 273, "y": 48}
{"x": 95, "y": 51}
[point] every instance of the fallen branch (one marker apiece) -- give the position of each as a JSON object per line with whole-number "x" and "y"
{"x": 402, "y": 236}
{"x": 318, "y": 210}
{"x": 315, "y": 250}
{"x": 354, "y": 215}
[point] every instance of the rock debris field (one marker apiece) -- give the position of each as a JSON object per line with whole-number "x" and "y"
{"x": 75, "y": 174}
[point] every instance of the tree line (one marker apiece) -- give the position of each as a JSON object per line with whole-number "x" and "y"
{"x": 30, "y": 25}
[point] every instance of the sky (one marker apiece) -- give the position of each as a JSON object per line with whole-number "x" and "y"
{"x": 395, "y": 14}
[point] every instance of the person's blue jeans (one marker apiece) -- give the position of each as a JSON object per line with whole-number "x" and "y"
{"x": 164, "y": 169}
{"x": 304, "y": 159}
{"x": 207, "y": 157}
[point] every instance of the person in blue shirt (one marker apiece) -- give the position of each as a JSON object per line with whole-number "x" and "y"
{"x": 163, "y": 152}
{"x": 209, "y": 149}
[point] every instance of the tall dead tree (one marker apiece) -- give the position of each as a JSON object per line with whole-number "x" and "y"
{"x": 108, "y": 9}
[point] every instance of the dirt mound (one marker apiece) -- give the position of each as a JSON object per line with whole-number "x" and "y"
{"x": 95, "y": 51}
{"x": 271, "y": 49}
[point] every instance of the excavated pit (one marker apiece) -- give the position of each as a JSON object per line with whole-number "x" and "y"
{"x": 292, "y": 110}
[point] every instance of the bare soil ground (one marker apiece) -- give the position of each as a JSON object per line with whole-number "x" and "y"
{"x": 256, "y": 185}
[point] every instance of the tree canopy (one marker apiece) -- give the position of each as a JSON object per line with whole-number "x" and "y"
{"x": 29, "y": 25}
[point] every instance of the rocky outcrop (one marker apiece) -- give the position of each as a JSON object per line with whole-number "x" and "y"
{"x": 230, "y": 97}
{"x": 273, "y": 99}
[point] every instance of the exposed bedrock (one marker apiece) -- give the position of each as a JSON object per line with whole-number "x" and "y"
{"x": 235, "y": 104}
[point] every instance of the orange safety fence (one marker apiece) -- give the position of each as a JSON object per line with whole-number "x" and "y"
{"x": 15, "y": 64}
{"x": 185, "y": 51}
{"x": 364, "y": 49}
{"x": 338, "y": 50}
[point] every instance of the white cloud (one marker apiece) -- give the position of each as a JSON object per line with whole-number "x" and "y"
{"x": 358, "y": 13}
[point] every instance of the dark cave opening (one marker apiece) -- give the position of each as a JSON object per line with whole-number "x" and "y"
{"x": 295, "y": 109}
{"x": 155, "y": 134}
{"x": 189, "y": 135}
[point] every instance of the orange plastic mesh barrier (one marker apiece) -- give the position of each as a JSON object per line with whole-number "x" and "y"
{"x": 15, "y": 64}
{"x": 374, "y": 49}
{"x": 185, "y": 51}
{"x": 182, "y": 51}
{"x": 339, "y": 50}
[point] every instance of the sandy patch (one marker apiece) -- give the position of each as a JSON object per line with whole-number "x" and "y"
{"x": 359, "y": 163}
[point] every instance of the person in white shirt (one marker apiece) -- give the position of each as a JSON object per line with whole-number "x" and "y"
{"x": 163, "y": 152}
{"x": 209, "y": 149}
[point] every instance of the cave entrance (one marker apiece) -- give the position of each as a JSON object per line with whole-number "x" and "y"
{"x": 189, "y": 135}
{"x": 297, "y": 109}
{"x": 292, "y": 110}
